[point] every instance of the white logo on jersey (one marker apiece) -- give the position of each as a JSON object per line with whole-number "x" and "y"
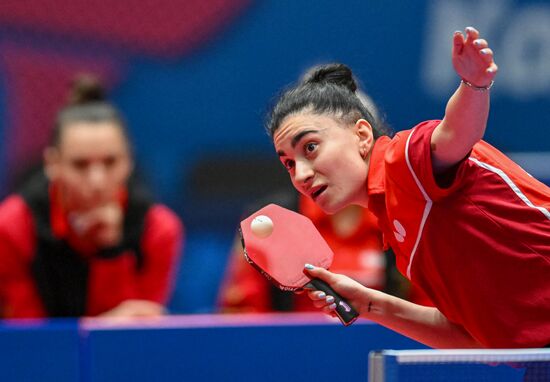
{"x": 399, "y": 232}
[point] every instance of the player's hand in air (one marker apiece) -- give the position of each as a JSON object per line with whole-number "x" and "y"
{"x": 352, "y": 291}
{"x": 473, "y": 59}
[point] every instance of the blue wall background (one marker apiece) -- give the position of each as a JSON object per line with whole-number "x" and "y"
{"x": 210, "y": 104}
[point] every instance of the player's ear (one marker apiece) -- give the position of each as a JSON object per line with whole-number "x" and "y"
{"x": 363, "y": 130}
{"x": 51, "y": 163}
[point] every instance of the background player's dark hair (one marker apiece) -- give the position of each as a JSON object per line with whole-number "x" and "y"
{"x": 86, "y": 103}
{"x": 327, "y": 89}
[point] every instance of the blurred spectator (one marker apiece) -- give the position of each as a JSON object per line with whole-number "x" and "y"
{"x": 354, "y": 237}
{"x": 82, "y": 237}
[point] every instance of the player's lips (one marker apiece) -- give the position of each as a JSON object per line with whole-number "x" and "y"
{"x": 316, "y": 191}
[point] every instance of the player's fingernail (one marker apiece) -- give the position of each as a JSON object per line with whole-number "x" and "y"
{"x": 490, "y": 70}
{"x": 457, "y": 32}
{"x": 321, "y": 295}
{"x": 469, "y": 29}
{"x": 332, "y": 306}
{"x": 484, "y": 51}
{"x": 309, "y": 267}
{"x": 329, "y": 300}
{"x": 477, "y": 43}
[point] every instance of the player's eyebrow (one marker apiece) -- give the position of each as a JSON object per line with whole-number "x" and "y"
{"x": 296, "y": 139}
{"x": 300, "y": 135}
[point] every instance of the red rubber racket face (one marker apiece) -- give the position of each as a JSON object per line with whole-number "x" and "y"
{"x": 281, "y": 255}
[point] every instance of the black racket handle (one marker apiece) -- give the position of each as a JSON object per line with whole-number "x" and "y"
{"x": 345, "y": 312}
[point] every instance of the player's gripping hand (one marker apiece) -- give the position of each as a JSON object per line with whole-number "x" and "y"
{"x": 350, "y": 290}
{"x": 472, "y": 58}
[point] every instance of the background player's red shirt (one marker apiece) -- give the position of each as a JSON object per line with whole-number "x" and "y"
{"x": 480, "y": 248}
{"x": 111, "y": 281}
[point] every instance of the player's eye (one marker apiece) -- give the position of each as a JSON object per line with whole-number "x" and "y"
{"x": 289, "y": 164}
{"x": 110, "y": 161}
{"x": 310, "y": 147}
{"x": 80, "y": 164}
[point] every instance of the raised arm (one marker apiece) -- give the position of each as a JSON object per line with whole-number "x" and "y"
{"x": 467, "y": 110}
{"x": 424, "y": 324}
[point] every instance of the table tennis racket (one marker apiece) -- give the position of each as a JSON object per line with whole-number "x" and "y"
{"x": 278, "y": 242}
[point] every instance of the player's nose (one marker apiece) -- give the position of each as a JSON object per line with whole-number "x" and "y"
{"x": 97, "y": 178}
{"x": 303, "y": 173}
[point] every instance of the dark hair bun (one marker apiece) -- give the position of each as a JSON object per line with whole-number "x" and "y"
{"x": 337, "y": 74}
{"x": 86, "y": 88}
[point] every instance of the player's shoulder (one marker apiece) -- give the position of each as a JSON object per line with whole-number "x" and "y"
{"x": 484, "y": 151}
{"x": 161, "y": 218}
{"x": 13, "y": 209}
{"x": 420, "y": 131}
{"x": 410, "y": 141}
{"x": 16, "y": 226}
{"x": 485, "y": 157}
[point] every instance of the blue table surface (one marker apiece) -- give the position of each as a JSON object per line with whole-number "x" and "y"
{"x": 267, "y": 347}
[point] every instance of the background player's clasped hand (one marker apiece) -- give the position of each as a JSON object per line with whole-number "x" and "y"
{"x": 473, "y": 59}
{"x": 101, "y": 225}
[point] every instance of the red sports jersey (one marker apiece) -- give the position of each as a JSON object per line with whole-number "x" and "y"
{"x": 480, "y": 248}
{"x": 110, "y": 282}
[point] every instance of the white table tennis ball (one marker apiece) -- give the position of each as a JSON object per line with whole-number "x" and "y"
{"x": 261, "y": 226}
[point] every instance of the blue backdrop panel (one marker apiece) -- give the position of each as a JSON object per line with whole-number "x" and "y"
{"x": 39, "y": 351}
{"x": 236, "y": 348}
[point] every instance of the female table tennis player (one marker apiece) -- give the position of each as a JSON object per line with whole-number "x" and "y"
{"x": 468, "y": 225}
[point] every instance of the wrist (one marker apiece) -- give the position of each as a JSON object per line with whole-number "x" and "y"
{"x": 475, "y": 87}
{"x": 373, "y": 304}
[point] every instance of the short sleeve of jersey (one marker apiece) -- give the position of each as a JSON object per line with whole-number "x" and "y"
{"x": 415, "y": 150}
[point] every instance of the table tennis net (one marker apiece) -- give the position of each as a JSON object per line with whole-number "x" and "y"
{"x": 525, "y": 365}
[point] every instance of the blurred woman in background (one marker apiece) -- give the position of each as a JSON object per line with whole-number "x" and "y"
{"x": 82, "y": 238}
